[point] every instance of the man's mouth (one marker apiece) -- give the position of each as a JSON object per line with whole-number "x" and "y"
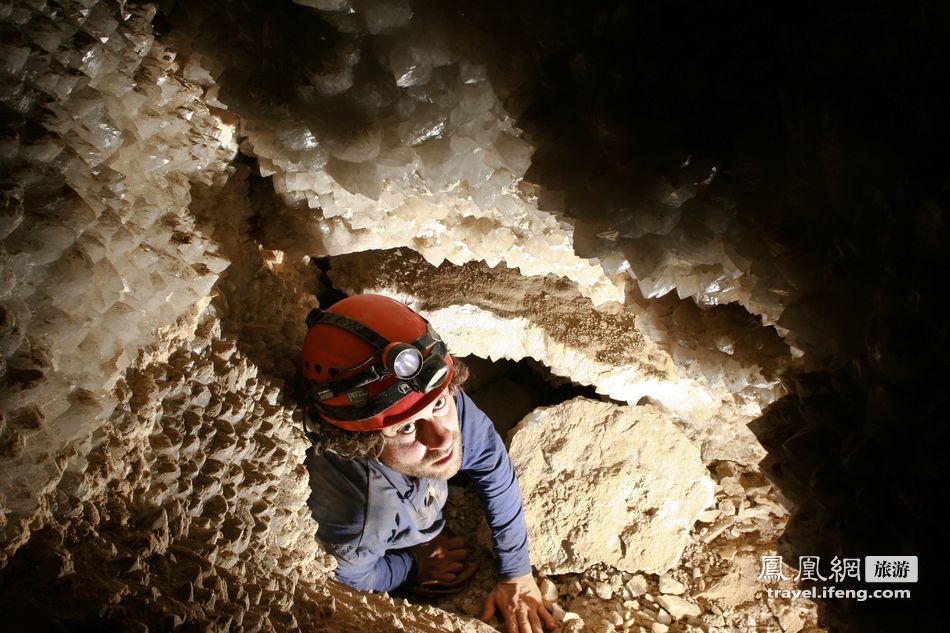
{"x": 444, "y": 460}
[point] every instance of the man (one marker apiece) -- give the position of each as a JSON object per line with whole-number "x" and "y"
{"x": 391, "y": 425}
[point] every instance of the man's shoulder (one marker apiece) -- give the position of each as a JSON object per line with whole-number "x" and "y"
{"x": 467, "y": 410}
{"x": 330, "y": 470}
{"x": 338, "y": 488}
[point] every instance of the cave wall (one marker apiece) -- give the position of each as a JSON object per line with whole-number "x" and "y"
{"x": 727, "y": 222}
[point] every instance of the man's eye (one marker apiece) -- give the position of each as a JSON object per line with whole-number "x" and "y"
{"x": 407, "y": 429}
{"x": 440, "y": 403}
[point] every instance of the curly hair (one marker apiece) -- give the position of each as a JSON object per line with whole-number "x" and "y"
{"x": 354, "y": 444}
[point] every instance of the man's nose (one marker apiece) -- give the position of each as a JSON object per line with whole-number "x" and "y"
{"x": 433, "y": 435}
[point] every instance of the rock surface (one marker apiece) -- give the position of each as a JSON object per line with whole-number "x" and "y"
{"x": 613, "y": 348}
{"x": 605, "y": 483}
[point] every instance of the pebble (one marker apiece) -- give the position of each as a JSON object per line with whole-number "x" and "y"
{"x": 670, "y": 585}
{"x": 603, "y": 591}
{"x": 637, "y": 585}
{"x": 549, "y": 592}
{"x": 717, "y": 529}
{"x": 573, "y": 626}
{"x": 659, "y": 628}
{"x": 678, "y": 607}
{"x": 557, "y": 612}
{"x": 574, "y": 589}
{"x": 616, "y": 583}
{"x": 570, "y": 615}
{"x": 663, "y": 617}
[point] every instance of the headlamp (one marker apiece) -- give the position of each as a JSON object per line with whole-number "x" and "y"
{"x": 403, "y": 360}
{"x": 432, "y": 374}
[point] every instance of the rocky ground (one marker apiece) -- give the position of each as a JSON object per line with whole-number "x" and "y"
{"x": 713, "y": 589}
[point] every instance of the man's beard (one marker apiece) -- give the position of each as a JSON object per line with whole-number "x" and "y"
{"x": 428, "y": 469}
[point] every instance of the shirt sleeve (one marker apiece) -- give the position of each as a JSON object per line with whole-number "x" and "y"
{"x": 486, "y": 461}
{"x": 368, "y": 571}
{"x": 338, "y": 504}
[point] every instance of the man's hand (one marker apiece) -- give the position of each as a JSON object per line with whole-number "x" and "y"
{"x": 439, "y": 560}
{"x": 519, "y": 601}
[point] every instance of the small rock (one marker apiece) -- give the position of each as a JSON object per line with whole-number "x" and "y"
{"x": 603, "y": 591}
{"x": 574, "y": 589}
{"x": 616, "y": 619}
{"x": 637, "y": 586}
{"x": 557, "y": 612}
{"x": 663, "y": 617}
{"x": 616, "y": 583}
{"x": 570, "y": 615}
{"x": 727, "y": 507}
{"x": 659, "y": 628}
{"x": 548, "y": 592}
{"x": 708, "y": 516}
{"x": 573, "y": 626}
{"x": 678, "y": 607}
{"x": 646, "y": 613}
{"x": 732, "y": 487}
{"x": 670, "y": 585}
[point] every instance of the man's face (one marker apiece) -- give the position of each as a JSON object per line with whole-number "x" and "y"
{"x": 427, "y": 445}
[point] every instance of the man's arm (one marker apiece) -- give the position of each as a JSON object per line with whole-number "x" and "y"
{"x": 486, "y": 461}
{"x": 367, "y": 571}
{"x": 516, "y": 597}
{"x": 339, "y": 505}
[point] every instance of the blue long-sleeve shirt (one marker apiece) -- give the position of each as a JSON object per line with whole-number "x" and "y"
{"x": 370, "y": 515}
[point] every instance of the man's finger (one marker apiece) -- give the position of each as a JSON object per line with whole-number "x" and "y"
{"x": 535, "y": 622}
{"x": 511, "y": 622}
{"x": 524, "y": 622}
{"x": 454, "y": 543}
{"x": 489, "y": 611}
{"x": 457, "y": 554}
{"x": 548, "y": 619}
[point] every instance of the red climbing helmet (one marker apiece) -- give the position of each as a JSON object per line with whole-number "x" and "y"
{"x": 371, "y": 362}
